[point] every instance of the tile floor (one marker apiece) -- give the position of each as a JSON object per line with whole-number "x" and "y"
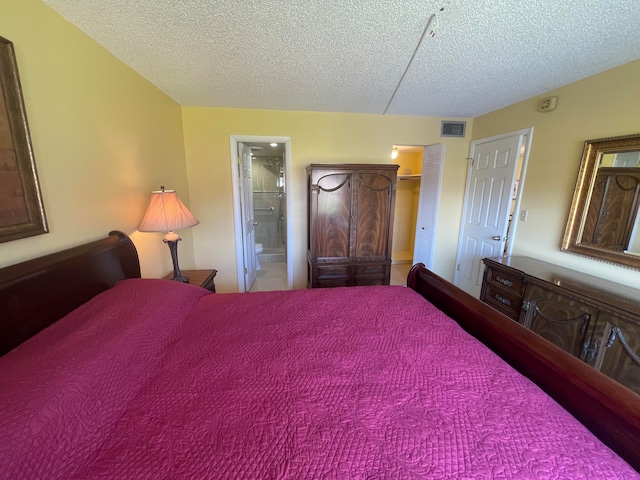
{"x": 399, "y": 272}
{"x": 273, "y": 276}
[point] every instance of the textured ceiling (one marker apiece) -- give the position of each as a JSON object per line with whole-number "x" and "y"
{"x": 349, "y": 55}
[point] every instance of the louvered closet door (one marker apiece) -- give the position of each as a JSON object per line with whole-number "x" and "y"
{"x": 333, "y": 217}
{"x": 428, "y": 205}
{"x": 372, "y": 209}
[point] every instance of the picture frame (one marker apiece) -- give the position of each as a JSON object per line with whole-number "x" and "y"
{"x": 21, "y": 207}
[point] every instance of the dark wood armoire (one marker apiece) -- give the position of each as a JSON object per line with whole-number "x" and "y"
{"x": 350, "y": 224}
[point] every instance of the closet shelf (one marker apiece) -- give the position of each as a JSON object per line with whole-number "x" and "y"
{"x": 415, "y": 176}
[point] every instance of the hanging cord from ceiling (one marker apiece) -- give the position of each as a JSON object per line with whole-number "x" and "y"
{"x": 429, "y": 29}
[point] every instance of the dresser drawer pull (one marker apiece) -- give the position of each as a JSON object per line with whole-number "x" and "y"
{"x": 501, "y": 299}
{"x": 589, "y": 350}
{"x": 504, "y": 281}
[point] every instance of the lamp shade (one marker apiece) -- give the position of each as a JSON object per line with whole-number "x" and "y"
{"x": 166, "y": 213}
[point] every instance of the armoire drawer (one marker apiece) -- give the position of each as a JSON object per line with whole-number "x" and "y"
{"x": 371, "y": 274}
{"x": 331, "y": 282}
{"x": 380, "y": 269}
{"x": 335, "y": 272}
{"x": 368, "y": 281}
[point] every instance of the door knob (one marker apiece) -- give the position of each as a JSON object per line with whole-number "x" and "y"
{"x": 255, "y": 223}
{"x": 496, "y": 238}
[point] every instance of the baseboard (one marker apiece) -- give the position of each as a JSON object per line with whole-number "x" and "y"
{"x": 401, "y": 257}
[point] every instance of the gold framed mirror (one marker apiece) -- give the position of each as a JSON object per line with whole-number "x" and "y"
{"x": 604, "y": 220}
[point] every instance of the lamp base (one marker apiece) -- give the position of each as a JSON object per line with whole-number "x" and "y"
{"x": 181, "y": 278}
{"x": 173, "y": 248}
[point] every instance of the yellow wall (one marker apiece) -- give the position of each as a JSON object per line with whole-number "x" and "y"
{"x": 603, "y": 105}
{"x": 315, "y": 138}
{"x": 103, "y": 138}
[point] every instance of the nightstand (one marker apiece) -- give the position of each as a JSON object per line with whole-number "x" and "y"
{"x": 204, "y": 278}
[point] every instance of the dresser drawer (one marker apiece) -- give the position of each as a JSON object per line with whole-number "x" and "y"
{"x": 504, "y": 300}
{"x": 508, "y": 281}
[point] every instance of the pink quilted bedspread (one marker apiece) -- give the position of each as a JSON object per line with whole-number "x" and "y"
{"x": 158, "y": 380}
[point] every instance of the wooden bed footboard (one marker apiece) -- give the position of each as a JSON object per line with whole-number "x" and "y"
{"x": 607, "y": 408}
{"x": 36, "y": 293}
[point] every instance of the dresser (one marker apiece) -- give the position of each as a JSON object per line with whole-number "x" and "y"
{"x": 350, "y": 224}
{"x": 596, "y": 320}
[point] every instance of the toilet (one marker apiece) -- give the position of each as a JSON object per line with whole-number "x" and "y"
{"x": 259, "y": 249}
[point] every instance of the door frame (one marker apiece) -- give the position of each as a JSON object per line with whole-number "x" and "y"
{"x": 527, "y": 134}
{"x": 247, "y": 217}
{"x": 237, "y": 207}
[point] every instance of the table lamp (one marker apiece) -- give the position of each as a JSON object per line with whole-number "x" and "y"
{"x": 166, "y": 213}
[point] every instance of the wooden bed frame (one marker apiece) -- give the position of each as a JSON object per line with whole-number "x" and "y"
{"x": 36, "y": 293}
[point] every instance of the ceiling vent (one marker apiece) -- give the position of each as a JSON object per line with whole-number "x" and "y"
{"x": 452, "y": 129}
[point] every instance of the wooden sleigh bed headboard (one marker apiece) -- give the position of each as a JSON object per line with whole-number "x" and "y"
{"x": 36, "y": 293}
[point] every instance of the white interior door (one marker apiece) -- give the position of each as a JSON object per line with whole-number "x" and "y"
{"x": 428, "y": 204}
{"x": 248, "y": 220}
{"x": 485, "y": 214}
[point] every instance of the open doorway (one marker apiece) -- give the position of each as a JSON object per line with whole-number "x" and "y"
{"x": 417, "y": 201}
{"x": 261, "y": 169}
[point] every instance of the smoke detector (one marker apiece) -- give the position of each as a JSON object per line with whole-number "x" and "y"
{"x": 547, "y": 104}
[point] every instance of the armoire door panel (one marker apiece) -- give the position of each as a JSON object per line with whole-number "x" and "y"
{"x": 372, "y": 222}
{"x": 333, "y": 216}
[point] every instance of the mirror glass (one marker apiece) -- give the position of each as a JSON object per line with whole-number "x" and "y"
{"x": 604, "y": 220}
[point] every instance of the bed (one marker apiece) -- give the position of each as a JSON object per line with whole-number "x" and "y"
{"x": 108, "y": 375}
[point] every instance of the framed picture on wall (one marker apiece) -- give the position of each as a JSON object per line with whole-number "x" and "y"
{"x": 21, "y": 209}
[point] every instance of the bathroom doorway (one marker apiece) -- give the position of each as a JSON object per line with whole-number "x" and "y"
{"x": 266, "y": 195}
